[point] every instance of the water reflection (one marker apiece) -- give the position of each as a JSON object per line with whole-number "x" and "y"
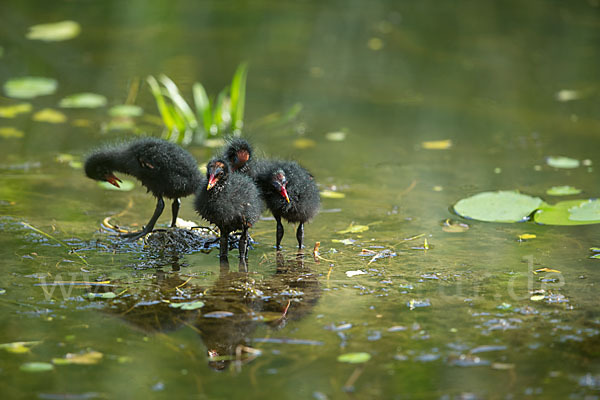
{"x": 235, "y": 305}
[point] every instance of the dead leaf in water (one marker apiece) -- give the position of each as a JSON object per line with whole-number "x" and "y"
{"x": 355, "y": 229}
{"x": 437, "y": 144}
{"x": 526, "y": 236}
{"x": 19, "y": 347}
{"x": 49, "y": 115}
{"x": 14, "y": 110}
{"x": 10, "y": 132}
{"x": 304, "y": 143}
{"x": 452, "y": 226}
{"x": 88, "y": 358}
{"x": 537, "y": 271}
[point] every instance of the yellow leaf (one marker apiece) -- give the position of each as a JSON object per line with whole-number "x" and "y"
{"x": 537, "y": 297}
{"x": 343, "y": 241}
{"x": 89, "y": 358}
{"x": 526, "y": 236}
{"x": 13, "y": 111}
{"x": 82, "y": 123}
{"x": 304, "y": 143}
{"x": 18, "y": 347}
{"x": 10, "y": 132}
{"x": 375, "y": 44}
{"x": 355, "y": 229}
{"x": 546, "y": 270}
{"x": 330, "y": 194}
{"x": 437, "y": 144}
{"x": 49, "y": 115}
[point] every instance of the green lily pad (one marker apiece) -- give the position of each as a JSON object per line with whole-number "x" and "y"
{"x": 562, "y": 162}
{"x": 355, "y": 229}
{"x": 54, "y": 32}
{"x": 10, "y": 132}
{"x": 588, "y": 211}
{"x": 330, "y": 194}
{"x": 192, "y": 305}
{"x": 560, "y": 213}
{"x": 354, "y": 358}
{"x": 501, "y": 206}
{"x": 562, "y": 191}
{"x": 124, "y": 186}
{"x": 36, "y": 367}
{"x": 14, "y": 110}
{"x": 106, "y": 295}
{"x": 49, "y": 115}
{"x": 29, "y": 87}
{"x": 19, "y": 347}
{"x": 125, "y": 110}
{"x": 335, "y": 136}
{"x": 83, "y": 100}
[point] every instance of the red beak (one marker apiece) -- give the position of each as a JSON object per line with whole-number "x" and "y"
{"x": 284, "y": 193}
{"x": 211, "y": 182}
{"x": 113, "y": 180}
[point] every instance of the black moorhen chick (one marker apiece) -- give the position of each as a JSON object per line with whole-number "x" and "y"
{"x": 229, "y": 200}
{"x": 239, "y": 155}
{"x": 164, "y": 168}
{"x": 291, "y": 193}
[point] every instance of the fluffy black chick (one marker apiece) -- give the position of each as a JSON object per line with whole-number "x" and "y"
{"x": 164, "y": 168}
{"x": 291, "y": 193}
{"x": 231, "y": 201}
{"x": 238, "y": 152}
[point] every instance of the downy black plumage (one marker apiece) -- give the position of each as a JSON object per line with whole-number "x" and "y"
{"x": 164, "y": 168}
{"x": 231, "y": 201}
{"x": 291, "y": 193}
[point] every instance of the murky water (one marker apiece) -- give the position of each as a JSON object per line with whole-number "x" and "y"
{"x": 460, "y": 317}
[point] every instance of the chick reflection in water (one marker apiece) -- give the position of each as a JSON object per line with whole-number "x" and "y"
{"x": 229, "y": 311}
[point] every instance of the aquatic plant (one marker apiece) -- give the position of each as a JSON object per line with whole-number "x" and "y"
{"x": 209, "y": 117}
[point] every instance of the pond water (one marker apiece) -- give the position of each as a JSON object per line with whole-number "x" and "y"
{"x": 440, "y": 314}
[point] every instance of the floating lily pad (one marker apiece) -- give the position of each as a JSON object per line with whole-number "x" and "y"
{"x": 335, "y": 136}
{"x": 562, "y": 191}
{"x": 330, "y": 194}
{"x": 36, "y": 367}
{"x": 11, "y": 132}
{"x": 437, "y": 144}
{"x": 560, "y": 213}
{"x": 54, "y": 32}
{"x": 588, "y": 211}
{"x": 18, "y": 347}
{"x": 29, "y": 87}
{"x": 344, "y": 241}
{"x": 124, "y": 186}
{"x": 106, "y": 295}
{"x": 501, "y": 206}
{"x": 355, "y": 229}
{"x": 49, "y": 115}
{"x": 304, "y": 143}
{"x": 562, "y": 162}
{"x": 526, "y": 236}
{"x": 88, "y": 358}
{"x": 192, "y": 305}
{"x": 354, "y": 358}
{"x": 218, "y": 314}
{"x": 126, "y": 110}
{"x": 83, "y": 100}
{"x": 14, "y": 110}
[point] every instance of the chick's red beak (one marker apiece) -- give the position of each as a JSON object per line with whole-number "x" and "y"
{"x": 113, "y": 180}
{"x": 284, "y": 193}
{"x": 212, "y": 181}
